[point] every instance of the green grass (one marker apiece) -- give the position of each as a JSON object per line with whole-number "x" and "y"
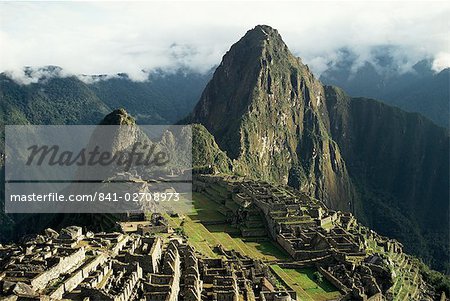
{"x": 207, "y": 210}
{"x": 227, "y": 228}
{"x": 199, "y": 237}
{"x": 204, "y": 237}
{"x": 268, "y": 247}
{"x": 303, "y": 283}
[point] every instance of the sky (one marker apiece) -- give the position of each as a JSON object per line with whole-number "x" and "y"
{"x": 137, "y": 37}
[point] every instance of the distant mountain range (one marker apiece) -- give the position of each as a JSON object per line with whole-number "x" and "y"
{"x": 419, "y": 89}
{"x": 155, "y": 101}
{"x": 164, "y": 99}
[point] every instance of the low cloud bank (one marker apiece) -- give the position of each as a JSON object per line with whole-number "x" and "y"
{"x": 138, "y": 37}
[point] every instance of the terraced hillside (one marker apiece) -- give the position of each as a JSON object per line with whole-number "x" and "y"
{"x": 320, "y": 253}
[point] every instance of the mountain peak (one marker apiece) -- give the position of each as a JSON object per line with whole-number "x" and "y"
{"x": 262, "y": 37}
{"x": 257, "y": 75}
{"x": 263, "y": 32}
{"x": 265, "y": 108}
{"x": 118, "y": 117}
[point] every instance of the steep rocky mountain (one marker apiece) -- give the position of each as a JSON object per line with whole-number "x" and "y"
{"x": 277, "y": 122}
{"x": 420, "y": 89}
{"x": 400, "y": 164}
{"x": 206, "y": 154}
{"x": 264, "y": 108}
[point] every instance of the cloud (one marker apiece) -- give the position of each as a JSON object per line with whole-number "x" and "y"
{"x": 29, "y": 75}
{"x": 441, "y": 61}
{"x": 137, "y": 37}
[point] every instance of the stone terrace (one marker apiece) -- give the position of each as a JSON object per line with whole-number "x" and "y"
{"x": 150, "y": 261}
{"x": 119, "y": 267}
{"x": 331, "y": 241}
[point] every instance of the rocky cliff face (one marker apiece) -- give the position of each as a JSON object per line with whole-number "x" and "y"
{"x": 265, "y": 108}
{"x": 278, "y": 123}
{"x": 401, "y": 163}
{"x": 206, "y": 154}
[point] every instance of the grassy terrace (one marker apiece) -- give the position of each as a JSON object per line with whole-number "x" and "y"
{"x": 204, "y": 236}
{"x": 205, "y": 210}
{"x": 206, "y": 227}
{"x": 302, "y": 281}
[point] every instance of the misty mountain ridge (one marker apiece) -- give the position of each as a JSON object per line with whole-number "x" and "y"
{"x": 388, "y": 60}
{"x": 417, "y": 88}
{"x": 39, "y": 74}
{"x": 384, "y": 73}
{"x": 52, "y": 96}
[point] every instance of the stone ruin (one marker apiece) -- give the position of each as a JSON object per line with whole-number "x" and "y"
{"x": 354, "y": 259}
{"x": 70, "y": 265}
{"x": 149, "y": 261}
{"x": 138, "y": 223}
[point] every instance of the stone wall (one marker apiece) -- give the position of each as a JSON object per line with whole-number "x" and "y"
{"x": 130, "y": 284}
{"x": 68, "y": 285}
{"x": 155, "y": 254}
{"x": 64, "y": 265}
{"x": 120, "y": 244}
{"x": 78, "y": 277}
{"x": 333, "y": 280}
{"x": 98, "y": 260}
